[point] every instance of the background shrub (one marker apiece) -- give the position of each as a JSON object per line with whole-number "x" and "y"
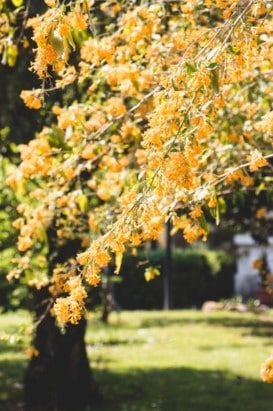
{"x": 196, "y": 276}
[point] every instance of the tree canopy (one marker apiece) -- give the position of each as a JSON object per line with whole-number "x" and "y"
{"x": 168, "y": 109}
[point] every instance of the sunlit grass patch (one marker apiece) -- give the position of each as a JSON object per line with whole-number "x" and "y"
{"x": 160, "y": 361}
{"x": 182, "y": 360}
{"x": 14, "y": 339}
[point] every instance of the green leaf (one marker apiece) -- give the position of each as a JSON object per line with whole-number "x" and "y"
{"x": 222, "y": 205}
{"x": 219, "y": 210}
{"x": 212, "y": 66}
{"x": 12, "y": 53}
{"x": 82, "y": 201}
{"x": 118, "y": 261}
{"x": 17, "y": 3}
{"x": 115, "y": 279}
{"x": 70, "y": 40}
{"x": 57, "y": 42}
{"x": 174, "y": 85}
{"x": 42, "y": 235}
{"x": 13, "y": 147}
{"x": 214, "y": 79}
{"x": 203, "y": 222}
{"x": 234, "y": 50}
{"x": 191, "y": 68}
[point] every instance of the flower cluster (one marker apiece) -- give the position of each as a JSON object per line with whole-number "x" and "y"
{"x": 173, "y": 111}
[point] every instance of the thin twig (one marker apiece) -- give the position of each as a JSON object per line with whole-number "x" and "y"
{"x": 25, "y": 17}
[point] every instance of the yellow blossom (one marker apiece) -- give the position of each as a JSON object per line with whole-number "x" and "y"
{"x": 50, "y": 3}
{"x": 267, "y": 370}
{"x": 196, "y": 212}
{"x": 24, "y": 243}
{"x": 31, "y": 98}
{"x": 32, "y": 352}
{"x": 256, "y": 160}
{"x": 151, "y": 273}
{"x": 83, "y": 258}
{"x": 261, "y": 213}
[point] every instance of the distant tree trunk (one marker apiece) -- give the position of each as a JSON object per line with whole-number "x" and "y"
{"x": 59, "y": 378}
{"x": 108, "y": 297}
{"x": 167, "y": 294}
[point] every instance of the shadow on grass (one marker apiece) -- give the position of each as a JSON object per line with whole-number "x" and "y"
{"x": 11, "y": 386}
{"x": 181, "y": 389}
{"x": 168, "y": 389}
{"x": 8, "y": 347}
{"x": 257, "y": 326}
{"x": 111, "y": 342}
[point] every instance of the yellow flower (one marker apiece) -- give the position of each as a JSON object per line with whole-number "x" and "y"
{"x": 257, "y": 264}
{"x": 256, "y": 160}
{"x": 115, "y": 106}
{"x": 151, "y": 273}
{"x": 50, "y": 3}
{"x": 69, "y": 173}
{"x": 261, "y": 213}
{"x": 102, "y": 258}
{"x": 93, "y": 279}
{"x": 88, "y": 152}
{"x": 61, "y": 310}
{"x": 196, "y": 212}
{"x": 32, "y": 352}
{"x": 24, "y": 243}
{"x": 267, "y": 370}
{"x": 83, "y": 258}
{"x": 31, "y": 98}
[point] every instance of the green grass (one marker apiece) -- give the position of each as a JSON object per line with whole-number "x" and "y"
{"x": 163, "y": 361}
{"x": 13, "y": 342}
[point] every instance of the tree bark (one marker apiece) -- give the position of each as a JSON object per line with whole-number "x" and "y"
{"x": 59, "y": 377}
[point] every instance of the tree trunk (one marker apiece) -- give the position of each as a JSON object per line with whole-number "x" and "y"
{"x": 59, "y": 377}
{"x": 167, "y": 291}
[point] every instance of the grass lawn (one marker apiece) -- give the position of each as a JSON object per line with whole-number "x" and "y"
{"x": 162, "y": 361}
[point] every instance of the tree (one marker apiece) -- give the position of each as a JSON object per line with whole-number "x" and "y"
{"x": 175, "y": 112}
{"x": 7, "y": 235}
